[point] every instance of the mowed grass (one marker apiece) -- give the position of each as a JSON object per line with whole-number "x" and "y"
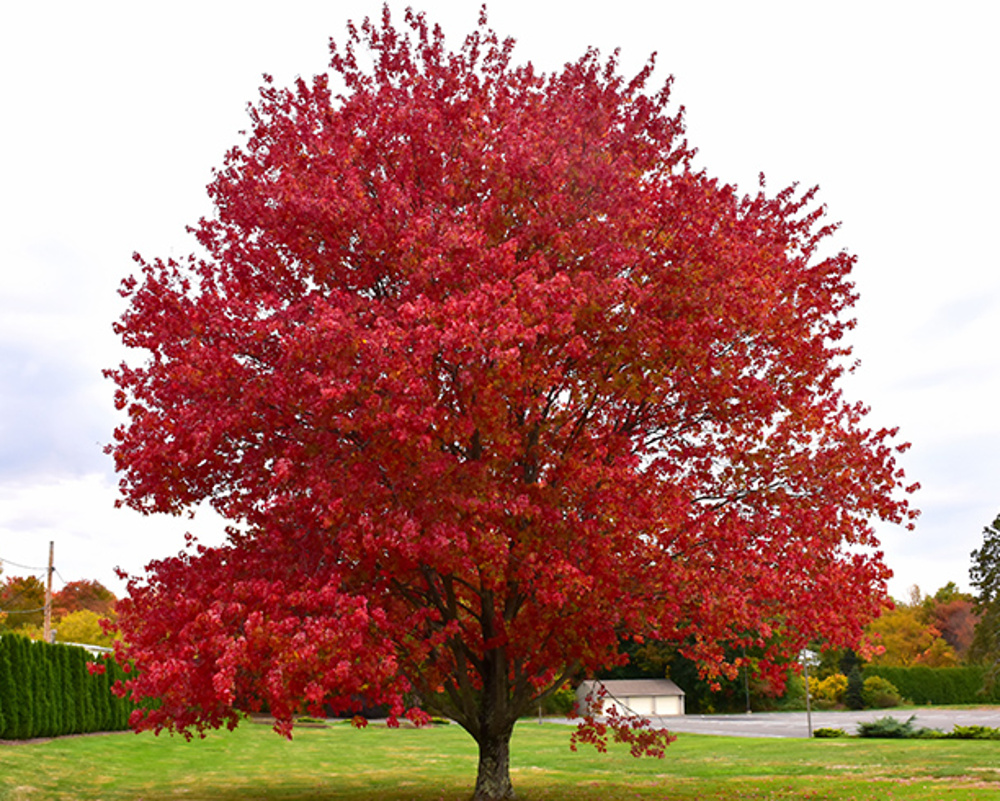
{"x": 340, "y": 762}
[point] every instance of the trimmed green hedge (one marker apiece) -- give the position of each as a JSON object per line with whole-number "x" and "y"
{"x": 924, "y": 685}
{"x": 47, "y": 690}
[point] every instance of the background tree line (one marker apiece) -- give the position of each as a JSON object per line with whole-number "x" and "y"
{"x": 936, "y": 648}
{"x": 77, "y": 609}
{"x": 933, "y": 632}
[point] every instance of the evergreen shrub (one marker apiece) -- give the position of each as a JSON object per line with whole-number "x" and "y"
{"x": 952, "y": 685}
{"x": 890, "y": 728}
{"x": 48, "y": 690}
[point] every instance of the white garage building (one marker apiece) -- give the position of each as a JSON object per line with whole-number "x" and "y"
{"x": 636, "y": 696}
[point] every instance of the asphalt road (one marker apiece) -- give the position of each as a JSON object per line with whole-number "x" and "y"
{"x": 794, "y": 724}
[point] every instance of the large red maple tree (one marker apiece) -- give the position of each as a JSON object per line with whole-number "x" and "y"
{"x": 487, "y": 376}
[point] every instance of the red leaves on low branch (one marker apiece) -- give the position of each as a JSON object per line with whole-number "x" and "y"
{"x": 600, "y": 721}
{"x": 237, "y": 630}
{"x": 487, "y": 376}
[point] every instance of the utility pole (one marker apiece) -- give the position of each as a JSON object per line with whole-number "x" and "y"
{"x": 47, "y": 633}
{"x": 809, "y": 713}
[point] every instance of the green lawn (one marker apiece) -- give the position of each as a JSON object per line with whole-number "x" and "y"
{"x": 439, "y": 763}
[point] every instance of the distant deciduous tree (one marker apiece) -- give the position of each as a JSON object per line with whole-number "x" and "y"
{"x": 924, "y": 631}
{"x": 76, "y": 609}
{"x": 22, "y": 598}
{"x": 83, "y": 627}
{"x": 486, "y": 374}
{"x": 86, "y": 594}
{"x": 953, "y": 614}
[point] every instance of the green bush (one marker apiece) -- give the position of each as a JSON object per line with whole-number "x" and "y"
{"x": 795, "y": 694}
{"x": 879, "y": 693}
{"x": 559, "y": 702}
{"x": 890, "y": 728}
{"x": 887, "y": 727}
{"x": 973, "y": 733}
{"x": 829, "y": 733}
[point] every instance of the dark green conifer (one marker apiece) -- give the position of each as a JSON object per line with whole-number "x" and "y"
{"x": 855, "y": 684}
{"x": 6, "y": 690}
{"x": 24, "y": 689}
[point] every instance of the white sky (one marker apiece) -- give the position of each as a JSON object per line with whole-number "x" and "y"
{"x": 115, "y": 113}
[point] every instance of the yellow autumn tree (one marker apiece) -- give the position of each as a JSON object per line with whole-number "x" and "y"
{"x": 82, "y": 627}
{"x": 909, "y": 638}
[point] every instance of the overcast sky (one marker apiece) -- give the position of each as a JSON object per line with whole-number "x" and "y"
{"x": 114, "y": 114}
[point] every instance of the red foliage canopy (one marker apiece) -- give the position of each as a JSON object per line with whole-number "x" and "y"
{"x": 487, "y": 376}
{"x": 83, "y": 594}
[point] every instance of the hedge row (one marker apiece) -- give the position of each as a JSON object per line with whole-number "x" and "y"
{"x": 924, "y": 685}
{"x": 47, "y": 690}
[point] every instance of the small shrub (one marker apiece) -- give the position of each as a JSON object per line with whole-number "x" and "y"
{"x": 879, "y": 693}
{"x": 829, "y": 733}
{"x": 887, "y": 727}
{"x": 890, "y": 728}
{"x": 974, "y": 733}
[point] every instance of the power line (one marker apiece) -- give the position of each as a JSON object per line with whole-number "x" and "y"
{"x": 55, "y": 570}
{"x": 23, "y": 567}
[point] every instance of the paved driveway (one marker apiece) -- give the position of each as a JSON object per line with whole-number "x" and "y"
{"x": 794, "y": 724}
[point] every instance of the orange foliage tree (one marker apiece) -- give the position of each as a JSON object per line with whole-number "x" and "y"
{"x": 935, "y": 630}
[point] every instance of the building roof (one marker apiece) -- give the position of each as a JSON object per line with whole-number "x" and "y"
{"x": 633, "y": 687}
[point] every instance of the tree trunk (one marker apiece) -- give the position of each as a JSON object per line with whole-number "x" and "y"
{"x": 493, "y": 778}
{"x": 495, "y": 717}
